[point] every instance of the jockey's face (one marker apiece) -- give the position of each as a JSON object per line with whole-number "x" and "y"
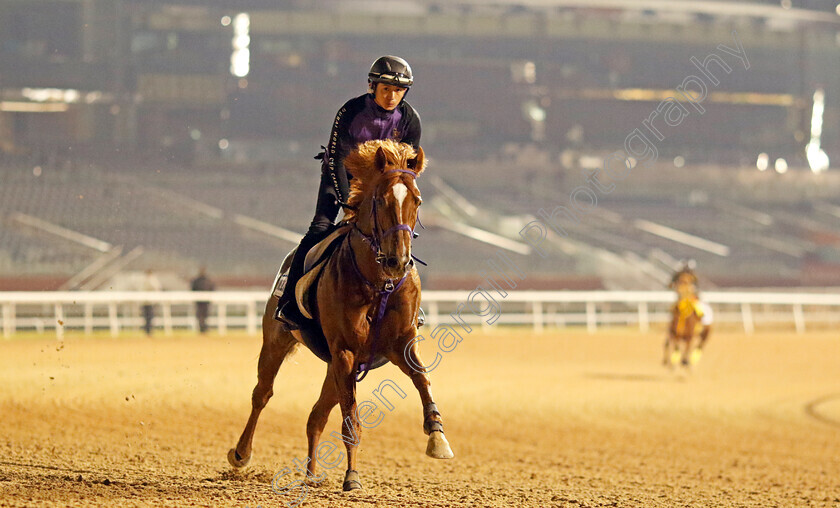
{"x": 388, "y": 96}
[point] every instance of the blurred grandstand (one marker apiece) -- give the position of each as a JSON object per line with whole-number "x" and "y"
{"x": 134, "y": 135}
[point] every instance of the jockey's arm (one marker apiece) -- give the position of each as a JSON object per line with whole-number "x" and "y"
{"x": 413, "y": 127}
{"x": 341, "y": 143}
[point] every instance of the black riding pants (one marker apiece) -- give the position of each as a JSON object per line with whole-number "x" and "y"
{"x": 326, "y": 211}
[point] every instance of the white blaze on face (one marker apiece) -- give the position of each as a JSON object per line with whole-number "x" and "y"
{"x": 400, "y": 192}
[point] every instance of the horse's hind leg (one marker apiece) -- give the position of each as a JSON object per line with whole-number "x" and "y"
{"x": 316, "y": 423}
{"x": 666, "y": 350}
{"x": 704, "y": 335}
{"x": 671, "y": 344}
{"x": 409, "y": 362}
{"x": 276, "y": 347}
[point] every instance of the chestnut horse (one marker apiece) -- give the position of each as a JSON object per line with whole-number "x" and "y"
{"x": 368, "y": 299}
{"x": 685, "y": 314}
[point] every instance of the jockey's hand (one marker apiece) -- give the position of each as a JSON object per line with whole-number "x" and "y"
{"x": 347, "y": 205}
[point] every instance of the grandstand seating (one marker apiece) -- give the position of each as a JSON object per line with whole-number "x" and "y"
{"x": 166, "y": 212}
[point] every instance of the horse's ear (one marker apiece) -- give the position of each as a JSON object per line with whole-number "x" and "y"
{"x": 418, "y": 163}
{"x": 381, "y": 160}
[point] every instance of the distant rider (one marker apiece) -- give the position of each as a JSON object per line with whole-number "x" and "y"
{"x": 684, "y": 282}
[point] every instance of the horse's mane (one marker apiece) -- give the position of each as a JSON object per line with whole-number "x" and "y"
{"x": 361, "y": 163}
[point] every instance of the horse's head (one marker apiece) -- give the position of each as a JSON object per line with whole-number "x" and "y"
{"x": 685, "y": 285}
{"x": 386, "y": 198}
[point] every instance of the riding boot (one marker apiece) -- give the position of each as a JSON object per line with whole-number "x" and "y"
{"x": 326, "y": 211}
{"x": 287, "y": 309}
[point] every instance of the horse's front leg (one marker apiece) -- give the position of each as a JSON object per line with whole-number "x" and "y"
{"x": 689, "y": 342}
{"x": 343, "y": 371}
{"x": 408, "y": 360}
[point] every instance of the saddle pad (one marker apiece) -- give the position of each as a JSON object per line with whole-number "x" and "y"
{"x": 322, "y": 248}
{"x": 305, "y": 285}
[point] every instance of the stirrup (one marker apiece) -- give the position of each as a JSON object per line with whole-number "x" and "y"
{"x": 289, "y": 323}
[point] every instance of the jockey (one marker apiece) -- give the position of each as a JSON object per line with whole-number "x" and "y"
{"x": 684, "y": 282}
{"x": 382, "y": 113}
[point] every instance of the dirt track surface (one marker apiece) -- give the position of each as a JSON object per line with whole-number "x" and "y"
{"x": 558, "y": 419}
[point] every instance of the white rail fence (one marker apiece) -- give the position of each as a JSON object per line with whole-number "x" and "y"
{"x": 116, "y": 311}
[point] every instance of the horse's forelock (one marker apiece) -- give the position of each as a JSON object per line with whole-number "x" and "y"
{"x": 397, "y": 154}
{"x": 361, "y": 163}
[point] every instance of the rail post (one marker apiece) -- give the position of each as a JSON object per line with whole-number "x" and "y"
{"x": 644, "y": 317}
{"x": 798, "y": 318}
{"x": 746, "y": 316}
{"x": 591, "y": 317}
{"x": 251, "y": 318}
{"x": 537, "y": 308}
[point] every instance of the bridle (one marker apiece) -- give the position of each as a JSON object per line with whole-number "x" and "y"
{"x": 374, "y": 240}
{"x": 390, "y": 286}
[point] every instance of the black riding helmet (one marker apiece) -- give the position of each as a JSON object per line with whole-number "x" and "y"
{"x": 391, "y": 70}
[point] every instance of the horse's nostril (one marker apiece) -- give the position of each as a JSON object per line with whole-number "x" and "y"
{"x": 392, "y": 262}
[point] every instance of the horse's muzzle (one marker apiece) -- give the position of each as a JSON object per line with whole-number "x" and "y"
{"x": 395, "y": 266}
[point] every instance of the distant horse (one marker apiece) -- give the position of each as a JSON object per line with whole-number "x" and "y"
{"x": 366, "y": 305}
{"x": 685, "y": 314}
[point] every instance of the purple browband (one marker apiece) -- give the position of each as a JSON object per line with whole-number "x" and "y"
{"x": 406, "y": 171}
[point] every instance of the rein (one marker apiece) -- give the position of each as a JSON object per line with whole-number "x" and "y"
{"x": 389, "y": 286}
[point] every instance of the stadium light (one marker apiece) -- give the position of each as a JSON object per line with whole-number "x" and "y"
{"x": 817, "y": 158}
{"x": 762, "y": 162}
{"x": 781, "y": 166}
{"x": 240, "y": 59}
{"x": 534, "y": 111}
{"x": 67, "y": 96}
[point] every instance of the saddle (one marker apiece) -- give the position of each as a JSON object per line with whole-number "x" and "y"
{"x": 306, "y": 291}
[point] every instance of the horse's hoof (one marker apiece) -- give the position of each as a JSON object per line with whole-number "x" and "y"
{"x": 438, "y": 447}
{"x": 236, "y": 460}
{"x": 351, "y": 481}
{"x": 696, "y": 355}
{"x": 675, "y": 358}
